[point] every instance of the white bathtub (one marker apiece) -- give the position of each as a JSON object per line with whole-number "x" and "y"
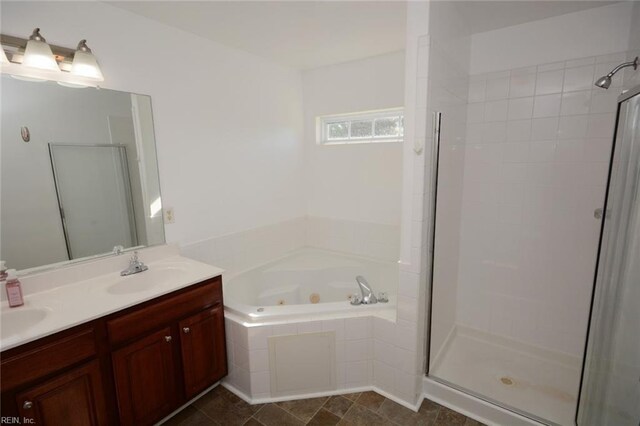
{"x": 282, "y": 290}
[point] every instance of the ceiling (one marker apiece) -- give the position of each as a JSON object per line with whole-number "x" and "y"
{"x": 311, "y": 34}
{"x": 484, "y": 16}
{"x": 299, "y": 34}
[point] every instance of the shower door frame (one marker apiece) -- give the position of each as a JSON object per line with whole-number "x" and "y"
{"x": 437, "y": 120}
{"x": 435, "y": 163}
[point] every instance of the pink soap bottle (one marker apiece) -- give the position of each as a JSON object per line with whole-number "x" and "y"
{"x": 14, "y": 289}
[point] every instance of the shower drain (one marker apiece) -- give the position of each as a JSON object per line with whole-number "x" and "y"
{"x": 506, "y": 380}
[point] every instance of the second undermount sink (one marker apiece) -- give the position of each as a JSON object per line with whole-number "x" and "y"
{"x": 17, "y": 320}
{"x": 147, "y": 280}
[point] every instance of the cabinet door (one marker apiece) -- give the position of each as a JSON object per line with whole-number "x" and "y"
{"x": 203, "y": 349}
{"x": 144, "y": 373}
{"x": 73, "y": 398}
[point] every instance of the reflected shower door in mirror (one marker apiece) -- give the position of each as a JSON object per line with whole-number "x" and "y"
{"x": 78, "y": 173}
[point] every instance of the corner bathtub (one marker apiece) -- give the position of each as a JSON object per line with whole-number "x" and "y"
{"x": 283, "y": 290}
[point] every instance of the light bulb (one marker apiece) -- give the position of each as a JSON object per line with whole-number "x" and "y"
{"x": 84, "y": 63}
{"x": 37, "y": 53}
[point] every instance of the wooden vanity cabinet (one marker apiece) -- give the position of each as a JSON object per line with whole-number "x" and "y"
{"x": 132, "y": 367}
{"x": 201, "y": 336}
{"x": 73, "y": 398}
{"x": 144, "y": 373}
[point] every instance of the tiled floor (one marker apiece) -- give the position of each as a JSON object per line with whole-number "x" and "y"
{"x": 221, "y": 407}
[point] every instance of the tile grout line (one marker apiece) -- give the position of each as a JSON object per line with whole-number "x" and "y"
{"x": 318, "y": 410}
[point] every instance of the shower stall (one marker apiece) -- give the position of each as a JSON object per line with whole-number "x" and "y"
{"x": 532, "y": 200}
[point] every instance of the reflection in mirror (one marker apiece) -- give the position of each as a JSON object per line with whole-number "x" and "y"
{"x": 78, "y": 173}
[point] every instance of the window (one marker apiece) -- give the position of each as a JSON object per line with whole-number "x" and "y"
{"x": 361, "y": 127}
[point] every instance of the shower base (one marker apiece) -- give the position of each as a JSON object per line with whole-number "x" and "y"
{"x": 532, "y": 380}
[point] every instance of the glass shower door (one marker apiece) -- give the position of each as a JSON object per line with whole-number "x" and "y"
{"x": 610, "y": 393}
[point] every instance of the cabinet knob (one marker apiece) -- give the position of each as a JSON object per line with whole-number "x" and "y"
{"x": 27, "y": 405}
{"x": 167, "y": 338}
{"x": 186, "y": 330}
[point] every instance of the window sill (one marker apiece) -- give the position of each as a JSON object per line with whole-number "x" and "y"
{"x": 361, "y": 142}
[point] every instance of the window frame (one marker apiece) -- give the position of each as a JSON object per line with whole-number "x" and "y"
{"x": 322, "y": 123}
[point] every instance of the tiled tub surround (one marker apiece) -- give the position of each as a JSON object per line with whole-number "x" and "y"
{"x": 362, "y": 333}
{"x": 368, "y": 355}
{"x": 308, "y": 283}
{"x": 240, "y": 251}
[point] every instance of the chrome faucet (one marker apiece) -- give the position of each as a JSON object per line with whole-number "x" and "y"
{"x": 135, "y": 266}
{"x": 368, "y": 298}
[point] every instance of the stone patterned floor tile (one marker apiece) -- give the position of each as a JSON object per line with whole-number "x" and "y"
{"x": 338, "y": 405}
{"x": 361, "y": 416}
{"x": 221, "y": 410}
{"x": 304, "y": 409}
{"x": 402, "y": 415}
{"x": 190, "y": 416}
{"x": 447, "y": 417}
{"x": 220, "y": 407}
{"x": 352, "y": 396}
{"x": 324, "y": 418}
{"x": 272, "y": 415}
{"x": 371, "y": 400}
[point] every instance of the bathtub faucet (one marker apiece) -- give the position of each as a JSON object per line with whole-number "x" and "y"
{"x": 368, "y": 298}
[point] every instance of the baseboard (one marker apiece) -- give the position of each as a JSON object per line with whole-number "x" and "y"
{"x": 470, "y": 406}
{"x": 413, "y": 407}
{"x": 240, "y": 394}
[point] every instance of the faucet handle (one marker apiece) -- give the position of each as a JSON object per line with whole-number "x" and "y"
{"x": 117, "y": 250}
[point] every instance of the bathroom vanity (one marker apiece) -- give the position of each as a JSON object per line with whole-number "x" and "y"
{"x": 132, "y": 366}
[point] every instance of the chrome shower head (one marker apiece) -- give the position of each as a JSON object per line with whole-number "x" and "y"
{"x": 605, "y": 81}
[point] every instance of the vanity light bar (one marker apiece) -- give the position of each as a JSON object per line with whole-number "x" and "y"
{"x": 33, "y": 59}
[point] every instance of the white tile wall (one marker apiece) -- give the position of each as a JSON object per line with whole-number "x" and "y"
{"x": 529, "y": 239}
{"x": 248, "y": 356}
{"x": 379, "y": 241}
{"x": 240, "y": 251}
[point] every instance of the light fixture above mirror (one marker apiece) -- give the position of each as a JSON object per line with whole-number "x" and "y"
{"x": 35, "y": 60}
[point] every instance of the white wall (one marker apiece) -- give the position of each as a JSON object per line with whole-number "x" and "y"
{"x": 591, "y": 32}
{"x": 360, "y": 182}
{"x": 228, "y": 124}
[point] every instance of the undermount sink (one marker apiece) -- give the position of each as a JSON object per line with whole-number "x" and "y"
{"x": 16, "y": 320}
{"x": 143, "y": 281}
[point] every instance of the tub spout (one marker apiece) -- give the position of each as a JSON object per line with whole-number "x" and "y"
{"x": 368, "y": 298}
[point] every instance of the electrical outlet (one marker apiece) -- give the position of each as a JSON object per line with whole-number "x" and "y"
{"x": 169, "y": 216}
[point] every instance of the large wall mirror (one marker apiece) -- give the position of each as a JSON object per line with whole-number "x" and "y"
{"x": 78, "y": 171}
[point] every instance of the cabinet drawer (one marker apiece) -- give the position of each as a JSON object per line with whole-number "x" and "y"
{"x": 48, "y": 358}
{"x": 158, "y": 313}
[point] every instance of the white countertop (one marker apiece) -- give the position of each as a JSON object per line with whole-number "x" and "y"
{"x": 76, "y": 302}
